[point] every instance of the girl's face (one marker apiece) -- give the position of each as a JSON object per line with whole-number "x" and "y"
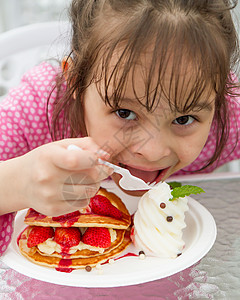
{"x": 151, "y": 145}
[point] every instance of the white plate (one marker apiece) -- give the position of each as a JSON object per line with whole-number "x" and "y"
{"x": 199, "y": 236}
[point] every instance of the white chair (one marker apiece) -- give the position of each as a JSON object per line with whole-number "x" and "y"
{"x": 24, "y": 47}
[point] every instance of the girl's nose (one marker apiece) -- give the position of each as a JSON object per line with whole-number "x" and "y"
{"x": 154, "y": 147}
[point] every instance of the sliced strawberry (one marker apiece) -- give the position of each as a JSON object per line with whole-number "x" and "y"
{"x": 97, "y": 237}
{"x": 67, "y": 237}
{"x": 100, "y": 205}
{"x": 39, "y": 235}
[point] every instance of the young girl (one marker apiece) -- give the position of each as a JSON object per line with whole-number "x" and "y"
{"x": 148, "y": 85}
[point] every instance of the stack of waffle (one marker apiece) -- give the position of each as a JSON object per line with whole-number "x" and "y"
{"x": 80, "y": 239}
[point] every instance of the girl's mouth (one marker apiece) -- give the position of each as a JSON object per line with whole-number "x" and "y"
{"x": 147, "y": 176}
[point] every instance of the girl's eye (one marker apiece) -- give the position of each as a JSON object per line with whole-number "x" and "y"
{"x": 126, "y": 114}
{"x": 184, "y": 120}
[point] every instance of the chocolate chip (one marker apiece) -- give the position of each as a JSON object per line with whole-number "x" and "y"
{"x": 141, "y": 252}
{"x": 88, "y": 268}
{"x": 169, "y": 218}
{"x": 179, "y": 254}
{"x": 162, "y": 205}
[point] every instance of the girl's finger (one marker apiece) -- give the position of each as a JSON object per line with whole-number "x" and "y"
{"x": 86, "y": 143}
{"x": 65, "y": 207}
{"x": 90, "y": 176}
{"x": 72, "y": 160}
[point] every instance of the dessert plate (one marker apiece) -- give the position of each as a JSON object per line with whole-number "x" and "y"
{"x": 199, "y": 236}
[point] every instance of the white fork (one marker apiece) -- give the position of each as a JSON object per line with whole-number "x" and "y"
{"x": 128, "y": 181}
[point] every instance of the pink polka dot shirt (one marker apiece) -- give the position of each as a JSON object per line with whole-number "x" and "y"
{"x": 23, "y": 127}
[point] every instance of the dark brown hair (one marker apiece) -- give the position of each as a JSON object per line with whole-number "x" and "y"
{"x": 195, "y": 33}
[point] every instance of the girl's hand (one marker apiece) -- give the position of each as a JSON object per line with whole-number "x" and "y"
{"x": 56, "y": 181}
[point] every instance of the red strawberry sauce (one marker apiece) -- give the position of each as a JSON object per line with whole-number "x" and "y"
{"x": 65, "y": 251}
{"x": 36, "y": 215}
{"x": 65, "y": 254}
{"x": 67, "y": 220}
{"x": 120, "y": 257}
{"x": 22, "y": 236}
{"x": 64, "y": 265}
{"x": 126, "y": 255}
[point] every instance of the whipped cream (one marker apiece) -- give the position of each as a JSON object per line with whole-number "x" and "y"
{"x": 158, "y": 223}
{"x": 50, "y": 246}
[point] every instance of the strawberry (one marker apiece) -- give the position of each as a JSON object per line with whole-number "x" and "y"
{"x": 39, "y": 235}
{"x": 100, "y": 205}
{"x": 97, "y": 237}
{"x": 67, "y": 237}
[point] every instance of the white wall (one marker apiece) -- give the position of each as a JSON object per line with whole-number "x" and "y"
{"x": 14, "y": 13}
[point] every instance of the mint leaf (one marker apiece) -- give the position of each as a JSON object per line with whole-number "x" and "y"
{"x": 174, "y": 184}
{"x": 185, "y": 190}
